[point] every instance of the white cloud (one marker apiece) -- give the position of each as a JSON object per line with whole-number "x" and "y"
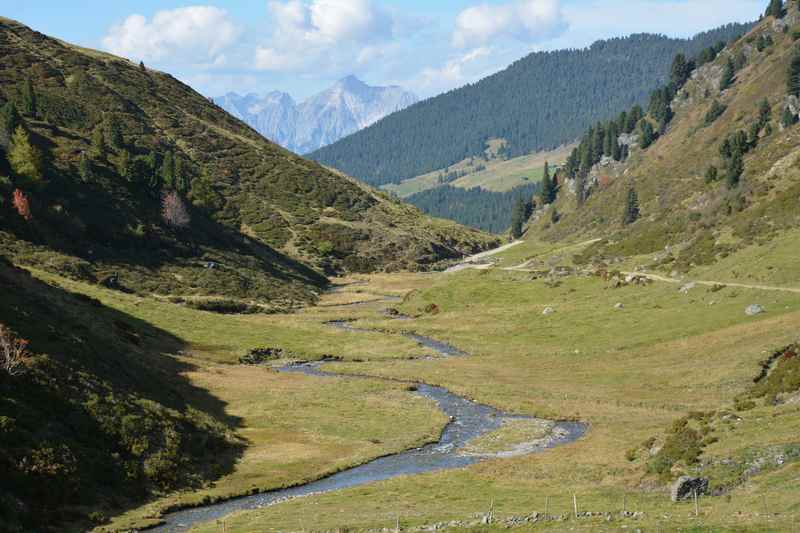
{"x": 307, "y": 33}
{"x": 455, "y": 72}
{"x": 197, "y": 33}
{"x": 524, "y": 20}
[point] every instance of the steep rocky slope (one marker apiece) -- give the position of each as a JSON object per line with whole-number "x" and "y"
{"x": 116, "y": 136}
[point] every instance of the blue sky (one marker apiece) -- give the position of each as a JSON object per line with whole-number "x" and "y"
{"x": 302, "y": 46}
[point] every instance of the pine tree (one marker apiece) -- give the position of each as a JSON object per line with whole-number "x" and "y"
{"x": 27, "y": 161}
{"x": 580, "y": 188}
{"x": 114, "y": 132}
{"x": 712, "y": 174}
{"x": 735, "y": 169}
{"x": 647, "y": 134}
{"x": 793, "y": 81}
{"x": 517, "y": 218}
{"x": 788, "y": 119}
{"x": 203, "y": 194}
{"x": 728, "y": 74}
{"x": 775, "y": 9}
{"x": 681, "y": 71}
{"x": 28, "y": 98}
{"x": 548, "y": 187}
{"x": 168, "y": 170}
{"x": 631, "y": 214}
{"x": 181, "y": 180}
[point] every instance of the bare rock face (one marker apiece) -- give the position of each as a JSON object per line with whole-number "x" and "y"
{"x": 686, "y": 487}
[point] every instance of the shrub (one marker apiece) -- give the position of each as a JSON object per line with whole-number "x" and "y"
{"x": 714, "y": 113}
{"x": 174, "y": 211}
{"x": 14, "y": 355}
{"x": 22, "y": 205}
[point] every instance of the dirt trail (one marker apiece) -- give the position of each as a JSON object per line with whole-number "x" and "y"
{"x": 656, "y": 277}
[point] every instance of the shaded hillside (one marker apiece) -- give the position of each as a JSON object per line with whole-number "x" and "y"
{"x": 115, "y": 137}
{"x": 722, "y": 171}
{"x": 540, "y": 102}
{"x": 96, "y": 419}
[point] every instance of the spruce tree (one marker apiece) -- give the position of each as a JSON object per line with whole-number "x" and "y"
{"x": 548, "y": 187}
{"x": 712, "y": 174}
{"x": 681, "y": 71}
{"x": 788, "y": 119}
{"x": 735, "y": 169}
{"x": 517, "y": 216}
{"x": 728, "y": 74}
{"x": 631, "y": 214}
{"x": 580, "y": 188}
{"x": 775, "y": 9}
{"x": 793, "y": 81}
{"x": 168, "y": 170}
{"x": 646, "y": 133}
{"x": 114, "y": 132}
{"x": 28, "y": 98}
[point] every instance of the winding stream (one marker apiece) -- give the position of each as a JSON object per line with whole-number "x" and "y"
{"x": 468, "y": 420}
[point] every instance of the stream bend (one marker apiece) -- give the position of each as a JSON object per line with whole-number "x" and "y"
{"x": 468, "y": 420}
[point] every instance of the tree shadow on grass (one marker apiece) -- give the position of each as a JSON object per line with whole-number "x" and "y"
{"x": 105, "y": 418}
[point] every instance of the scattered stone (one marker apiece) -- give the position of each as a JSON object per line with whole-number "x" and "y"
{"x": 688, "y": 287}
{"x": 754, "y": 310}
{"x": 431, "y": 309}
{"x": 619, "y": 306}
{"x": 685, "y": 487}
{"x": 548, "y": 311}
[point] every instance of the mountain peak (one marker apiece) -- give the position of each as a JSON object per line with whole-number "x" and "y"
{"x": 351, "y": 83}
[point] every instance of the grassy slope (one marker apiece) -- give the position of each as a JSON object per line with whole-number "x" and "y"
{"x": 291, "y": 211}
{"x": 628, "y": 373}
{"x": 264, "y": 430}
{"x": 499, "y": 175}
{"x": 678, "y": 207}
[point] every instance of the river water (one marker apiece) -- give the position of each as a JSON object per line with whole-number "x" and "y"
{"x": 468, "y": 420}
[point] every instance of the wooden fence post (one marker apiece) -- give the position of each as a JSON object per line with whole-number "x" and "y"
{"x": 575, "y": 504}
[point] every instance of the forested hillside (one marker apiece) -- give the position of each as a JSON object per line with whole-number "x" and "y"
{"x": 115, "y": 173}
{"x": 487, "y": 210}
{"x": 707, "y": 168}
{"x": 542, "y": 101}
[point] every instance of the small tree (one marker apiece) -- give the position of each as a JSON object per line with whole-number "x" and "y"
{"x": 203, "y": 194}
{"x": 788, "y": 119}
{"x": 21, "y": 204}
{"x": 28, "y": 98}
{"x": 775, "y": 9}
{"x": 681, "y": 70}
{"x": 26, "y": 160}
{"x": 631, "y": 214}
{"x": 548, "y": 187}
{"x": 167, "y": 171}
{"x": 646, "y": 133}
{"x": 728, "y": 74}
{"x": 793, "y": 81}
{"x": 14, "y": 355}
{"x": 99, "y": 147}
{"x": 174, "y": 211}
{"x": 735, "y": 170}
{"x": 518, "y": 218}
{"x": 712, "y": 174}
{"x": 114, "y": 132}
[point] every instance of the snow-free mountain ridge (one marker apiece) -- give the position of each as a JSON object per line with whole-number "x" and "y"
{"x": 347, "y": 107}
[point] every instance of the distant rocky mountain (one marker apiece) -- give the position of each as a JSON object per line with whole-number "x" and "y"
{"x": 347, "y": 107}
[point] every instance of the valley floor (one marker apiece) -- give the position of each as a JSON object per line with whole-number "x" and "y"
{"x": 629, "y": 371}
